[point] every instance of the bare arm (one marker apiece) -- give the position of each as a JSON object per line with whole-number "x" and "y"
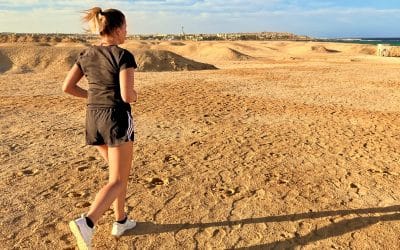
{"x": 70, "y": 85}
{"x": 126, "y": 83}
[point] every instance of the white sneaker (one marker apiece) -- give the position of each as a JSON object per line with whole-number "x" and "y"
{"x": 119, "y": 229}
{"x": 82, "y": 232}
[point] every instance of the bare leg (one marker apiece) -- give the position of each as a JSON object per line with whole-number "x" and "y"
{"x": 103, "y": 150}
{"x": 119, "y": 203}
{"x": 120, "y": 161}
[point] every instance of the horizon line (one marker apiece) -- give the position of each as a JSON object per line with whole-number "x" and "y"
{"x": 186, "y": 34}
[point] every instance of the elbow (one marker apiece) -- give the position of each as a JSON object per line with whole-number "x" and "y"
{"x": 65, "y": 88}
{"x": 129, "y": 97}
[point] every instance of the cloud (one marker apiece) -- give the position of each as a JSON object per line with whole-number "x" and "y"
{"x": 196, "y": 6}
{"x": 308, "y": 17}
{"x": 148, "y": 6}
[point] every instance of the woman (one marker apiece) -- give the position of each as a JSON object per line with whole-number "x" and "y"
{"x": 109, "y": 70}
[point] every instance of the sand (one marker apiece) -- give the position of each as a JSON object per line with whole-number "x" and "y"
{"x": 286, "y": 145}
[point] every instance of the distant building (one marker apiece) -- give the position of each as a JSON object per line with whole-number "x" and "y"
{"x": 52, "y": 37}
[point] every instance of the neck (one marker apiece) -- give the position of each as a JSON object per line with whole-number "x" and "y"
{"x": 107, "y": 40}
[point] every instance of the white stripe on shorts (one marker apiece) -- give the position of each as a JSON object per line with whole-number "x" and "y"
{"x": 130, "y": 126}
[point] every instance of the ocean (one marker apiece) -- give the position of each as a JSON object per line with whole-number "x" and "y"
{"x": 391, "y": 41}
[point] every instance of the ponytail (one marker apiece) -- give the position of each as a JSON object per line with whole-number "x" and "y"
{"x": 103, "y": 22}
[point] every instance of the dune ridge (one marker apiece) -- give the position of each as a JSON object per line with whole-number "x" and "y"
{"x": 25, "y": 58}
{"x": 45, "y": 56}
{"x": 162, "y": 60}
{"x": 323, "y": 49}
{"x": 224, "y": 53}
{"x": 210, "y": 52}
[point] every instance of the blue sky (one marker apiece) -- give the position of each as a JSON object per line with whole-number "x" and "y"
{"x": 317, "y": 18}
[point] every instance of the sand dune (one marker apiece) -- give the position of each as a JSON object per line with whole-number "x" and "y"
{"x": 5, "y": 62}
{"x": 33, "y": 58}
{"x": 37, "y": 38}
{"x": 209, "y": 52}
{"x": 323, "y": 49}
{"x": 162, "y": 60}
{"x": 366, "y": 49}
{"x": 60, "y": 57}
{"x": 288, "y": 149}
{"x": 222, "y": 54}
{"x": 164, "y": 56}
{"x": 173, "y": 43}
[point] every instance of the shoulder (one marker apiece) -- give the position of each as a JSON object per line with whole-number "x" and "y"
{"x": 126, "y": 59}
{"x": 122, "y": 52}
{"x": 82, "y": 52}
{"x": 125, "y": 54}
{"x": 125, "y": 51}
{"x": 87, "y": 51}
{"x": 81, "y": 56}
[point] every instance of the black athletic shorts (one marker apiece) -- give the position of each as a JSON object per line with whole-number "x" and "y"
{"x": 108, "y": 126}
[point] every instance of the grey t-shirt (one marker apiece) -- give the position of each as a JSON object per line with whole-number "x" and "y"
{"x": 101, "y": 66}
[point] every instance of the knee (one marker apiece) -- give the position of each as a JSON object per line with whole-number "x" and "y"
{"x": 117, "y": 185}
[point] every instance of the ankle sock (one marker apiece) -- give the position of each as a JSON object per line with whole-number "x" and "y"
{"x": 89, "y": 222}
{"x": 123, "y": 221}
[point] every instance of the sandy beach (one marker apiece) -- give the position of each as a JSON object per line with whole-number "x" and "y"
{"x": 239, "y": 145}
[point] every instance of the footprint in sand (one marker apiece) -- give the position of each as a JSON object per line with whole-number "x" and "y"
{"x": 231, "y": 192}
{"x": 225, "y": 191}
{"x": 14, "y": 147}
{"x": 172, "y": 159}
{"x": 74, "y": 194}
{"x": 91, "y": 158}
{"x": 354, "y": 185}
{"x": 196, "y": 143}
{"x": 65, "y": 239}
{"x": 27, "y": 172}
{"x": 154, "y": 182}
{"x": 83, "y": 163}
{"x": 82, "y": 168}
{"x": 82, "y": 204}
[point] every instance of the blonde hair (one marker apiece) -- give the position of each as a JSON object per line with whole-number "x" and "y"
{"x": 103, "y": 22}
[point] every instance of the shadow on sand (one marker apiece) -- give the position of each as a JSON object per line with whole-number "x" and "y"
{"x": 332, "y": 230}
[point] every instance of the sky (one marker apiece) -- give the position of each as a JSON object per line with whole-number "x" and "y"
{"x": 315, "y": 18}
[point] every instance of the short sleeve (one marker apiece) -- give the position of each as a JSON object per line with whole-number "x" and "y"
{"x": 127, "y": 60}
{"x": 78, "y": 60}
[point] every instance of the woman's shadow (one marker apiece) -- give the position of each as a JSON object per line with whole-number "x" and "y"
{"x": 362, "y": 220}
